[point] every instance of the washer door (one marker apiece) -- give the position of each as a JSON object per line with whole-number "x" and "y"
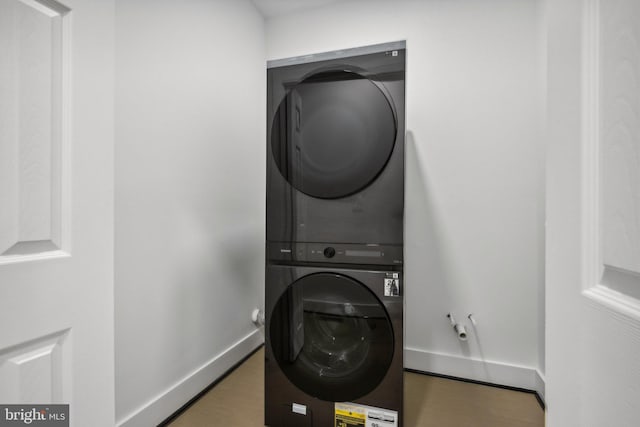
{"x": 332, "y": 337}
{"x": 333, "y": 134}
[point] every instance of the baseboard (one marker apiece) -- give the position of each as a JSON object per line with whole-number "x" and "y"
{"x": 500, "y": 374}
{"x": 163, "y": 405}
{"x": 540, "y": 386}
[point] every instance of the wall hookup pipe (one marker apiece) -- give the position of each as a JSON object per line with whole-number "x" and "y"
{"x": 459, "y": 328}
{"x": 257, "y": 317}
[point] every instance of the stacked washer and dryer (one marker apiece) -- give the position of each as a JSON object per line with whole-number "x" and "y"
{"x": 334, "y": 252}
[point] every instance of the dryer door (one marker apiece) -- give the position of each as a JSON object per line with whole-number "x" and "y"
{"x": 332, "y": 337}
{"x": 333, "y": 134}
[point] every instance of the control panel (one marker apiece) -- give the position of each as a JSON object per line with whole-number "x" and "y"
{"x": 339, "y": 253}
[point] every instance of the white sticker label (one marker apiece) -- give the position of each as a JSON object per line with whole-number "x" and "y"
{"x": 298, "y": 409}
{"x": 391, "y": 287}
{"x": 354, "y": 415}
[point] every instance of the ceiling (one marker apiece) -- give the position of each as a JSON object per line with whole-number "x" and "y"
{"x": 271, "y": 8}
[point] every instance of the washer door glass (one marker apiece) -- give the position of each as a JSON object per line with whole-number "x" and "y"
{"x": 332, "y": 337}
{"x": 333, "y": 134}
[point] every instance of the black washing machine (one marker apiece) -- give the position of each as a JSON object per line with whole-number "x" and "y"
{"x": 335, "y": 147}
{"x": 334, "y": 347}
{"x": 334, "y": 250}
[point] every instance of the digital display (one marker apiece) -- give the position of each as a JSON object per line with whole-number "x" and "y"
{"x": 376, "y": 254}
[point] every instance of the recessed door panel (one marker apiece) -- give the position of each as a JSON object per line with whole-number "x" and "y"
{"x": 34, "y": 102}
{"x": 37, "y": 371}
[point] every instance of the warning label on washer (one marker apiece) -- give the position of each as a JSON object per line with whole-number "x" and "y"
{"x": 350, "y": 416}
{"x": 346, "y": 421}
{"x": 355, "y": 415}
{"x": 392, "y": 286}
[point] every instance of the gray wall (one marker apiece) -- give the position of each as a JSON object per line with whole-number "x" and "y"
{"x": 190, "y": 97}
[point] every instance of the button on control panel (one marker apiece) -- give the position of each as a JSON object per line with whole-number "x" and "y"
{"x": 329, "y": 252}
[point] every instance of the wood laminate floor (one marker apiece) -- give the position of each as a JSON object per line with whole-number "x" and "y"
{"x": 238, "y": 401}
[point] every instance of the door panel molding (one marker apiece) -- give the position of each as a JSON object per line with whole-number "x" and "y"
{"x": 38, "y": 370}
{"x": 611, "y": 157}
{"x": 34, "y": 128}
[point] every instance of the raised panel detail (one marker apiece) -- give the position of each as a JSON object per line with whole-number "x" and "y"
{"x": 623, "y": 281}
{"x": 32, "y": 126}
{"x": 35, "y": 371}
{"x": 620, "y": 144}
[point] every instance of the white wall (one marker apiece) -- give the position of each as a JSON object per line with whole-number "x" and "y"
{"x": 475, "y": 201}
{"x": 190, "y": 101}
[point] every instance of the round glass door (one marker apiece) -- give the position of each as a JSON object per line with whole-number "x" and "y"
{"x": 333, "y": 134}
{"x": 332, "y": 337}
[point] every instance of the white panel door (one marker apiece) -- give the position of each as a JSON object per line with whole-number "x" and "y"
{"x": 593, "y": 214}
{"x": 56, "y": 206}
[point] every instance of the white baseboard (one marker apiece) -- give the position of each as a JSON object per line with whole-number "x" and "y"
{"x": 540, "y": 385}
{"x": 167, "y": 402}
{"x": 476, "y": 370}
